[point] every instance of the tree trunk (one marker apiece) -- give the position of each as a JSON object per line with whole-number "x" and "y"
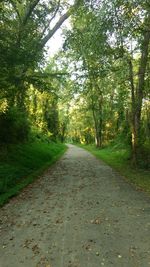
{"x": 137, "y": 93}
{"x": 98, "y": 139}
{"x": 98, "y": 124}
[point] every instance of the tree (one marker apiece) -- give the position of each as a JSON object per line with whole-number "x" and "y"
{"x": 26, "y": 27}
{"x": 110, "y": 33}
{"x": 93, "y": 51}
{"x": 133, "y": 35}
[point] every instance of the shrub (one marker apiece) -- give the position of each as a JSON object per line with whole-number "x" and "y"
{"x": 14, "y": 126}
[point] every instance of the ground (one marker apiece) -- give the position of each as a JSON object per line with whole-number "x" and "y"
{"x": 80, "y": 213}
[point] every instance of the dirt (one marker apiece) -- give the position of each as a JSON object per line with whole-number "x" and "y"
{"x": 79, "y": 213}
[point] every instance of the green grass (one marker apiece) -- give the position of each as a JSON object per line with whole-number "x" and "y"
{"x": 119, "y": 159}
{"x": 21, "y": 164}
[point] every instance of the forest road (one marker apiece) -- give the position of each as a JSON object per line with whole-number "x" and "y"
{"x": 79, "y": 213}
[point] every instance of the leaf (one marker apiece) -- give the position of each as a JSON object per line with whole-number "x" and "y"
{"x": 96, "y": 221}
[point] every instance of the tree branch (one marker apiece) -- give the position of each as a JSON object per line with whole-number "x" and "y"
{"x": 29, "y": 11}
{"x": 53, "y": 16}
{"x": 55, "y": 28}
{"x": 59, "y": 23}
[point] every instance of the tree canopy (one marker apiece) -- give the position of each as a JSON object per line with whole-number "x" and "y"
{"x": 95, "y": 89}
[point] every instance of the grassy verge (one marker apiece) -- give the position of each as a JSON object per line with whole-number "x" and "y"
{"x": 119, "y": 159}
{"x": 21, "y": 164}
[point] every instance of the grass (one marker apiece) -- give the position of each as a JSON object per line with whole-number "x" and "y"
{"x": 21, "y": 164}
{"x": 119, "y": 159}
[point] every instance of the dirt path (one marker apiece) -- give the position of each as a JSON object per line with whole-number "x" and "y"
{"x": 78, "y": 214}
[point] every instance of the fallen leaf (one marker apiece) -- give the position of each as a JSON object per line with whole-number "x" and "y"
{"x": 59, "y": 221}
{"x": 119, "y": 256}
{"x": 96, "y": 221}
{"x": 35, "y": 249}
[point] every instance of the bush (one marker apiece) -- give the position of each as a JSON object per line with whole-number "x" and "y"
{"x": 14, "y": 126}
{"x": 143, "y": 158}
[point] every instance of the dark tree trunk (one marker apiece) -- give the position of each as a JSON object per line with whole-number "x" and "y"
{"x": 97, "y": 116}
{"x": 137, "y": 93}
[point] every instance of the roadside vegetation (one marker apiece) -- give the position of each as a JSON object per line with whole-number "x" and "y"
{"x": 95, "y": 89}
{"x": 21, "y": 164}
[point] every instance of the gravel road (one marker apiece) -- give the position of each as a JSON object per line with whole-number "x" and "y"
{"x": 79, "y": 213}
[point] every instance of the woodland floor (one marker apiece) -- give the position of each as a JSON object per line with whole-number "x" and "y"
{"x": 80, "y": 213}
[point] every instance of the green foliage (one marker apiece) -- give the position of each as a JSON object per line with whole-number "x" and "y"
{"x": 97, "y": 88}
{"x": 143, "y": 159}
{"x": 109, "y": 45}
{"x": 21, "y": 164}
{"x": 14, "y": 126}
{"x": 38, "y": 135}
{"x": 43, "y": 112}
{"x": 26, "y": 26}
